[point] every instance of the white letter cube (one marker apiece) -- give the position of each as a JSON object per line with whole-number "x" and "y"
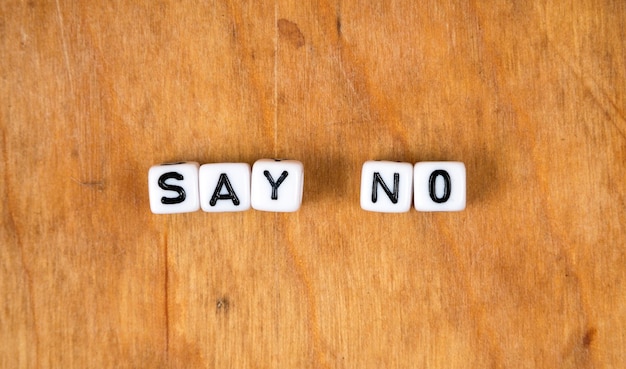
{"x": 386, "y": 186}
{"x": 277, "y": 185}
{"x": 225, "y": 187}
{"x": 439, "y": 186}
{"x": 173, "y": 188}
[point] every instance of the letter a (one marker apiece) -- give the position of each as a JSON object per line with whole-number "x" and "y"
{"x": 230, "y": 195}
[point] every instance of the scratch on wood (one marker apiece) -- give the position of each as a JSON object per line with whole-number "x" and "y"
{"x": 598, "y": 94}
{"x": 166, "y": 295}
{"x": 99, "y": 185}
{"x": 309, "y": 296}
{"x": 276, "y": 78}
{"x": 64, "y": 44}
{"x": 338, "y": 23}
{"x": 18, "y": 241}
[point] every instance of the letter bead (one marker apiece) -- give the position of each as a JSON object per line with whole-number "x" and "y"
{"x": 386, "y": 186}
{"x": 277, "y": 185}
{"x": 173, "y": 188}
{"x": 439, "y": 186}
{"x": 225, "y": 187}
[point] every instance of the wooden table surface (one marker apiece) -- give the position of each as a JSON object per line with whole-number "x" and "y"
{"x": 531, "y": 97}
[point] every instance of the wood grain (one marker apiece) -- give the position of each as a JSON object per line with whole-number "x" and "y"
{"x": 532, "y": 97}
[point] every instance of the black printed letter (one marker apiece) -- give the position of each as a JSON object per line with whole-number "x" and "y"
{"x": 393, "y": 196}
{"x": 275, "y": 184}
{"x": 446, "y": 186}
{"x": 181, "y": 192}
{"x": 223, "y": 181}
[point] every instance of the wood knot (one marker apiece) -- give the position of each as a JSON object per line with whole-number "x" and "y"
{"x": 290, "y": 31}
{"x": 589, "y": 336}
{"x": 222, "y": 305}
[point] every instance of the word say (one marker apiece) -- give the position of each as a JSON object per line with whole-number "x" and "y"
{"x": 272, "y": 185}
